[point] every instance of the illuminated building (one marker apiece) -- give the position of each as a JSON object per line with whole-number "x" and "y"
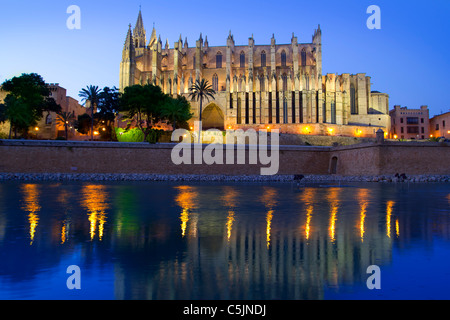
{"x": 256, "y": 85}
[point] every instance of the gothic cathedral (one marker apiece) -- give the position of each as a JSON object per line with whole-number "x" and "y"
{"x": 277, "y": 85}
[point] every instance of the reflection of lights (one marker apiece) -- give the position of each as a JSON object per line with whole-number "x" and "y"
{"x": 309, "y": 211}
{"x": 269, "y": 201}
{"x": 31, "y": 205}
{"x": 186, "y": 200}
{"x": 230, "y": 220}
{"x": 95, "y": 201}
{"x": 229, "y": 200}
{"x": 307, "y": 198}
{"x": 269, "y": 223}
{"x": 63, "y": 233}
{"x": 363, "y": 203}
{"x": 334, "y": 202}
{"x": 96, "y": 133}
{"x": 390, "y": 204}
{"x": 397, "y": 228}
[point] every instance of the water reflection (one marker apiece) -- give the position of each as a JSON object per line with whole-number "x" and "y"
{"x": 31, "y": 205}
{"x": 363, "y": 201}
{"x": 215, "y": 241}
{"x": 186, "y": 199}
{"x": 95, "y": 200}
{"x": 269, "y": 200}
{"x": 229, "y": 201}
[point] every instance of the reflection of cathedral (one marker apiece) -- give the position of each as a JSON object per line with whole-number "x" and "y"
{"x": 221, "y": 242}
{"x": 273, "y": 256}
{"x": 256, "y": 84}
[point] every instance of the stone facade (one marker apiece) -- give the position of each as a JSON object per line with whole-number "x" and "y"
{"x": 49, "y": 127}
{"x": 254, "y": 84}
{"x": 412, "y": 124}
{"x": 440, "y": 125}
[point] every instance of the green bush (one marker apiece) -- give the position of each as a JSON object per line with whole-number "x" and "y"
{"x": 131, "y": 135}
{"x": 136, "y": 135}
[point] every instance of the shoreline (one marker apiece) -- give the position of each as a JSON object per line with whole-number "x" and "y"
{"x": 217, "y": 178}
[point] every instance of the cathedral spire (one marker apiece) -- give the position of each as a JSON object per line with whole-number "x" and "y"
{"x": 139, "y": 31}
{"x": 152, "y": 37}
{"x": 128, "y": 46}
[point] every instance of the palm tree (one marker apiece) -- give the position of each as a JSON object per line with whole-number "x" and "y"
{"x": 200, "y": 90}
{"x": 176, "y": 110}
{"x": 92, "y": 94}
{"x": 65, "y": 118}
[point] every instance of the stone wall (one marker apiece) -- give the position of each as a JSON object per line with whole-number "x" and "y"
{"x": 18, "y": 156}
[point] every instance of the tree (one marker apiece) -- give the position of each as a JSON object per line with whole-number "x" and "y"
{"x": 108, "y": 109}
{"x": 143, "y": 104}
{"x": 92, "y": 94}
{"x": 200, "y": 90}
{"x": 27, "y": 100}
{"x": 65, "y": 118}
{"x": 83, "y": 123}
{"x": 177, "y": 111}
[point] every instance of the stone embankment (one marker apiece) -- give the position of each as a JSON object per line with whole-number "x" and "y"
{"x": 225, "y": 178}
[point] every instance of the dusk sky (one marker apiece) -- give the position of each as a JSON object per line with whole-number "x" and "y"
{"x": 407, "y": 58}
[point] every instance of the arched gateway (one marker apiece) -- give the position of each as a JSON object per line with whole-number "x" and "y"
{"x": 212, "y": 117}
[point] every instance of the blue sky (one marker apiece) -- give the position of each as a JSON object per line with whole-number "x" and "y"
{"x": 407, "y": 58}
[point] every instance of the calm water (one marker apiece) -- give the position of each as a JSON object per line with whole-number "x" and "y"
{"x": 224, "y": 241}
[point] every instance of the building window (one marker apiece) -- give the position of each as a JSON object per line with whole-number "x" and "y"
{"x": 242, "y": 59}
{"x": 413, "y": 130}
{"x": 401, "y": 120}
{"x": 303, "y": 55}
{"x": 284, "y": 77}
{"x": 412, "y": 120}
{"x": 263, "y": 59}
{"x": 421, "y": 120}
{"x": 422, "y": 129}
{"x": 219, "y": 60}
{"x": 262, "y": 84}
{"x": 353, "y": 107}
{"x": 437, "y": 126}
{"x": 48, "y": 119}
{"x": 443, "y": 123}
{"x": 401, "y": 129}
{"x": 215, "y": 82}
{"x": 283, "y": 58}
{"x": 333, "y": 112}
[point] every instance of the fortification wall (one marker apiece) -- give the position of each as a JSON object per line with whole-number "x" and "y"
{"x": 20, "y": 156}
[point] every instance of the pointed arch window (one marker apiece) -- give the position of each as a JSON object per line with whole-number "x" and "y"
{"x": 353, "y": 107}
{"x": 219, "y": 60}
{"x": 262, "y": 84}
{"x": 283, "y": 58}
{"x": 303, "y": 56}
{"x": 263, "y": 59}
{"x": 215, "y": 82}
{"x": 284, "y": 78}
{"x": 242, "y": 59}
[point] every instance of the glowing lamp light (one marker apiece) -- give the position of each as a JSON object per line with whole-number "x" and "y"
{"x": 431, "y": 136}
{"x": 330, "y": 130}
{"x": 448, "y": 131}
{"x": 395, "y": 136}
{"x": 36, "y": 129}
{"x": 96, "y": 133}
{"x": 104, "y": 129}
